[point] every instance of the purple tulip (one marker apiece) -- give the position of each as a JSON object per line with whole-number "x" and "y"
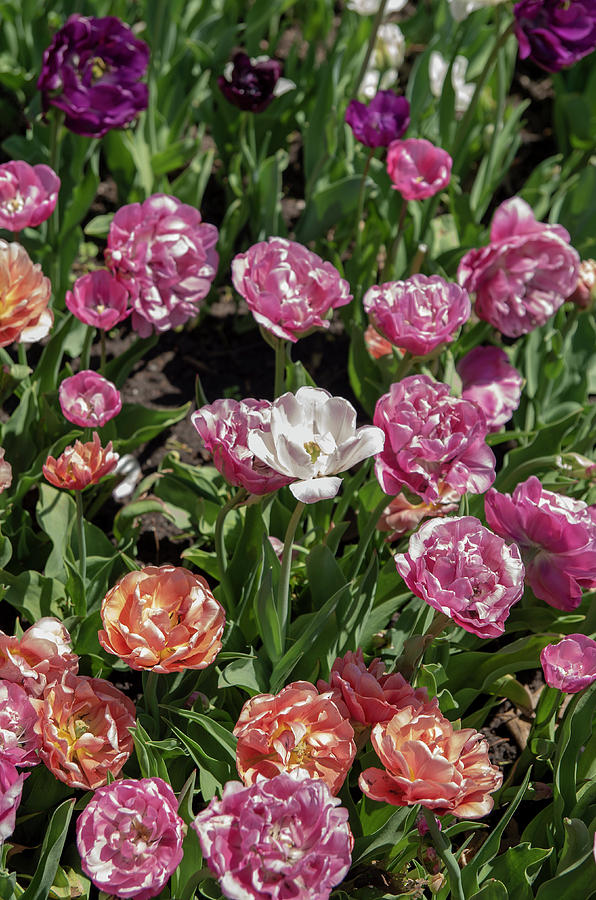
{"x": 384, "y": 120}
{"x": 250, "y": 84}
{"x": 553, "y": 33}
{"x": 91, "y": 71}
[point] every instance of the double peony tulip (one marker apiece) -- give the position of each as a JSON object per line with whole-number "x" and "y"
{"x": 162, "y": 618}
{"x": 570, "y": 665}
{"x": 419, "y": 314}
{"x": 464, "y": 571}
{"x": 129, "y": 837}
{"x": 80, "y": 465}
{"x": 524, "y": 275}
{"x": 288, "y": 288}
{"x": 98, "y": 299}
{"x": 297, "y": 728}
{"x": 38, "y": 659}
{"x": 385, "y": 119}
{"x": 553, "y": 34}
{"x": 428, "y": 762}
{"x": 490, "y": 381}
{"x": 84, "y": 725}
{"x": 18, "y": 740}
{"x": 88, "y": 399}
{"x": 556, "y": 536}
{"x": 435, "y": 443}
{"x": 11, "y": 788}
{"x": 286, "y": 837}
{"x": 28, "y": 194}
{"x": 24, "y": 296}
{"x": 417, "y": 168}
{"x": 251, "y": 84}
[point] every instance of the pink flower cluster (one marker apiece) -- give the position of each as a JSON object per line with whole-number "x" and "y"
{"x": 418, "y": 314}
{"x": 464, "y": 571}
{"x": 288, "y": 288}
{"x": 129, "y": 837}
{"x": 28, "y": 194}
{"x": 556, "y": 536}
{"x": 224, "y": 427}
{"x": 165, "y": 257}
{"x": 434, "y": 443}
{"x": 280, "y": 838}
{"x": 524, "y": 275}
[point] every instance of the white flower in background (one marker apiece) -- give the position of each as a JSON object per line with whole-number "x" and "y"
{"x": 462, "y": 8}
{"x": 390, "y": 47}
{"x": 437, "y": 71}
{"x": 313, "y": 436}
{"x": 129, "y": 471}
{"x": 370, "y": 7}
{"x": 373, "y": 81}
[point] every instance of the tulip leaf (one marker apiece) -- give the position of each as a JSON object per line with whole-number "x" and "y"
{"x": 51, "y": 850}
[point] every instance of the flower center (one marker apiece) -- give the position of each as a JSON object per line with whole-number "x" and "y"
{"x": 15, "y": 204}
{"x": 313, "y": 450}
{"x": 98, "y": 68}
{"x": 300, "y": 752}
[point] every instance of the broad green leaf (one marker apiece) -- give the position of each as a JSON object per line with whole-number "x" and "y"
{"x": 51, "y": 850}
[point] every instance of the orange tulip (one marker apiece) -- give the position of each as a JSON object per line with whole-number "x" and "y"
{"x": 297, "y": 728}
{"x": 80, "y": 465}
{"x": 24, "y": 297}
{"x": 162, "y": 618}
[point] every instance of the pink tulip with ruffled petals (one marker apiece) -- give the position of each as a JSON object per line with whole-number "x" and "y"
{"x": 311, "y": 438}
{"x": 489, "y": 380}
{"x": 418, "y": 314}
{"x": 366, "y": 694}
{"x": 165, "y": 256}
{"x": 556, "y": 536}
{"x": 11, "y": 788}
{"x": 5, "y": 472}
{"x": 99, "y": 299}
{"x": 287, "y": 837}
{"x": 224, "y": 427}
{"x": 426, "y": 761}
{"x": 524, "y": 275}
{"x": 88, "y": 399}
{"x": 297, "y": 728}
{"x": 41, "y": 657}
{"x": 417, "y": 168}
{"x": 570, "y": 665}
{"x": 464, "y": 571}
{"x": 129, "y": 837}
{"x": 28, "y": 194}
{"x": 80, "y": 465}
{"x": 18, "y": 740}
{"x": 288, "y": 288}
{"x": 435, "y": 443}
{"x": 84, "y": 724}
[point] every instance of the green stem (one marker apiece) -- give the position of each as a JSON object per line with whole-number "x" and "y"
{"x": 465, "y": 123}
{"x": 392, "y": 254}
{"x": 443, "y": 848}
{"x": 359, "y": 222}
{"x": 102, "y": 360}
{"x": 22, "y": 352}
{"x": 367, "y": 533}
{"x": 404, "y": 366}
{"x": 280, "y": 367}
{"x": 220, "y": 545}
{"x": 286, "y": 566}
{"x": 150, "y": 695}
{"x": 418, "y": 259}
{"x": 86, "y": 348}
{"x": 82, "y": 611}
{"x": 371, "y": 44}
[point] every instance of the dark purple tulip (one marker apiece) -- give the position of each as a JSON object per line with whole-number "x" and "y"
{"x": 384, "y": 120}
{"x": 555, "y": 33}
{"x": 91, "y": 71}
{"x": 250, "y": 85}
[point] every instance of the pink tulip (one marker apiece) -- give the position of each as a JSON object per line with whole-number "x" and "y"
{"x": 18, "y": 740}
{"x": 585, "y": 289}
{"x": 98, "y": 299}
{"x": 288, "y": 288}
{"x": 11, "y": 788}
{"x": 464, "y": 571}
{"x": 417, "y": 168}
{"x": 88, "y": 399}
{"x": 5, "y": 472}
{"x": 224, "y": 427}
{"x": 524, "y": 275}
{"x": 164, "y": 254}
{"x": 556, "y": 536}
{"x": 129, "y": 837}
{"x": 428, "y": 762}
{"x": 39, "y": 658}
{"x": 490, "y": 381}
{"x": 418, "y": 314}
{"x": 28, "y": 194}
{"x": 434, "y": 443}
{"x": 570, "y": 665}
{"x": 286, "y": 837}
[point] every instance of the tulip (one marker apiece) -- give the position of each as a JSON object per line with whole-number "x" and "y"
{"x": 88, "y": 399}
{"x": 570, "y": 665}
{"x": 417, "y": 168}
{"x": 28, "y": 194}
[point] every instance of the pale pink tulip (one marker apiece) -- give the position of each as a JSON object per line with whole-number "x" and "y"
{"x": 28, "y": 194}
{"x": 490, "y": 381}
{"x": 88, "y": 399}
{"x": 570, "y": 665}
